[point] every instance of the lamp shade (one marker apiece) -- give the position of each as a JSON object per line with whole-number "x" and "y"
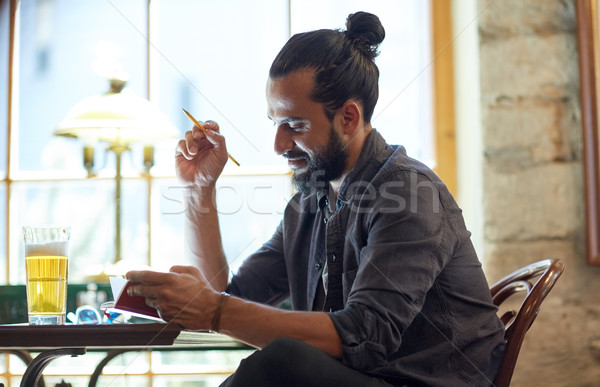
{"x": 119, "y": 117}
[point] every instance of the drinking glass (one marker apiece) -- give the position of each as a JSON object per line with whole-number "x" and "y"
{"x": 47, "y": 268}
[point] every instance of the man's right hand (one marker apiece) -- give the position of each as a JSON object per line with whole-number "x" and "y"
{"x": 200, "y": 158}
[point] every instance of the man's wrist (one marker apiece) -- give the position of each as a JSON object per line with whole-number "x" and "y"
{"x": 215, "y": 324}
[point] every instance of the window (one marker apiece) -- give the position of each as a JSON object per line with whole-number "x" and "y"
{"x": 200, "y": 56}
{"x": 211, "y": 58}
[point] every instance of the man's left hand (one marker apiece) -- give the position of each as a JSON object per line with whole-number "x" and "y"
{"x": 182, "y": 296}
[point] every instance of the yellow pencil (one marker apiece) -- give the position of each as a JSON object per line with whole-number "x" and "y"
{"x": 204, "y": 131}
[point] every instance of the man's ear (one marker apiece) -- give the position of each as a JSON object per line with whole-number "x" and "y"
{"x": 351, "y": 117}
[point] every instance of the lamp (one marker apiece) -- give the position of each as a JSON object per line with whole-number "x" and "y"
{"x": 119, "y": 118}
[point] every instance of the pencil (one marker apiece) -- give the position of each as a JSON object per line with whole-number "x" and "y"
{"x": 204, "y": 131}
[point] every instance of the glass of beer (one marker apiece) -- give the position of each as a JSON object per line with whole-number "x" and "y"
{"x": 46, "y": 265}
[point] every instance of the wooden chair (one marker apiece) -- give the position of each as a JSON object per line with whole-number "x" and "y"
{"x": 517, "y": 322}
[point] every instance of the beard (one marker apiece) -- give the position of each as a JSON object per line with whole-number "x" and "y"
{"x": 327, "y": 164}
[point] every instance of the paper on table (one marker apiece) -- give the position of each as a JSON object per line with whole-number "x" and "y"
{"x": 134, "y": 305}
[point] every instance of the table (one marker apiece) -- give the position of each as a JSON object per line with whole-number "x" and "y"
{"x": 59, "y": 340}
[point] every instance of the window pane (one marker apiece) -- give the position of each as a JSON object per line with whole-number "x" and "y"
{"x": 122, "y": 380}
{"x": 85, "y": 206}
{"x": 2, "y": 234}
{"x": 404, "y": 112}
{"x": 4, "y": 40}
{"x": 250, "y": 209}
{"x": 167, "y": 225}
{"x": 67, "y": 48}
{"x": 214, "y": 63}
{"x": 134, "y": 223}
{"x": 189, "y": 380}
{"x": 133, "y": 362}
{"x": 217, "y": 362}
{"x": 88, "y": 207}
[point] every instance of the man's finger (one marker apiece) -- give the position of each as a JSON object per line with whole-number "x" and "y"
{"x": 147, "y": 277}
{"x": 181, "y": 269}
{"x": 211, "y": 125}
{"x": 152, "y": 302}
{"x": 148, "y": 292}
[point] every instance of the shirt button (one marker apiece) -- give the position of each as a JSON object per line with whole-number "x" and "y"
{"x": 333, "y": 257}
{"x": 317, "y": 266}
{"x": 325, "y": 220}
{"x": 327, "y": 202}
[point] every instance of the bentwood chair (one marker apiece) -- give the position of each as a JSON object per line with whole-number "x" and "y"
{"x": 517, "y": 322}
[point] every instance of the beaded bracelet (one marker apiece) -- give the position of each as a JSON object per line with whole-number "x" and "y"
{"x": 214, "y": 325}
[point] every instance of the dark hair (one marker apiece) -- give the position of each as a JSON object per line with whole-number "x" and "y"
{"x": 343, "y": 62}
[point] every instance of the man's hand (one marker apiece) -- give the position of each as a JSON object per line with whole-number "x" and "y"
{"x": 200, "y": 158}
{"x": 182, "y": 296}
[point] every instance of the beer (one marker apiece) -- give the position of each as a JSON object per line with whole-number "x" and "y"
{"x": 47, "y": 270}
{"x": 46, "y": 284}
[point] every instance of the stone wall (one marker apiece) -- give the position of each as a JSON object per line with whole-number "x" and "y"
{"x": 533, "y": 179}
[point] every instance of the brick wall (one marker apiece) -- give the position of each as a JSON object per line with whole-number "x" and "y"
{"x": 533, "y": 187}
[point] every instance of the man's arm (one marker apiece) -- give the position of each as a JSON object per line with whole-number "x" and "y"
{"x": 203, "y": 236}
{"x": 258, "y": 325}
{"x": 184, "y": 297}
{"x": 200, "y": 158}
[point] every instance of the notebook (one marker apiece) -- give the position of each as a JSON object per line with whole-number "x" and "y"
{"x": 124, "y": 303}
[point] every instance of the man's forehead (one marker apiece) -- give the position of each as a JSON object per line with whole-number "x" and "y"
{"x": 299, "y": 82}
{"x": 281, "y": 106}
{"x": 286, "y": 94}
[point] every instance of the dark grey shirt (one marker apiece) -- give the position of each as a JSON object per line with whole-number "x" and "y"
{"x": 405, "y": 289}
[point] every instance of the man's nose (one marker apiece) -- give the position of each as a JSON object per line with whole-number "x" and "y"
{"x": 283, "y": 141}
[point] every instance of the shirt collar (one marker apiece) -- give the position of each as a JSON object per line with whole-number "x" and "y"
{"x": 373, "y": 154}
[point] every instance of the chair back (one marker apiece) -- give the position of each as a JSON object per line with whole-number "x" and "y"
{"x": 517, "y": 322}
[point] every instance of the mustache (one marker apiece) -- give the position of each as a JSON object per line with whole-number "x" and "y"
{"x": 295, "y": 155}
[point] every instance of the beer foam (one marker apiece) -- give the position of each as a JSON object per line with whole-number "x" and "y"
{"x": 57, "y": 248}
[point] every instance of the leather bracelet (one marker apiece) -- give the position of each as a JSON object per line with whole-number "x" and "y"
{"x": 214, "y": 325}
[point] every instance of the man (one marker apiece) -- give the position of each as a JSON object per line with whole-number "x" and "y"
{"x": 373, "y": 252}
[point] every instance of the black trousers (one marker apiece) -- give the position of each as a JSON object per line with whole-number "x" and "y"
{"x": 289, "y": 362}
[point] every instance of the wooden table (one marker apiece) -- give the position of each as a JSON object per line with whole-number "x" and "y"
{"x": 59, "y": 340}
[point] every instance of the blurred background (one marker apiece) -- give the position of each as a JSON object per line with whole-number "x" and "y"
{"x": 211, "y": 58}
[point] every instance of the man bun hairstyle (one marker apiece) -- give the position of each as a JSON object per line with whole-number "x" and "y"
{"x": 366, "y": 32}
{"x": 343, "y": 62}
